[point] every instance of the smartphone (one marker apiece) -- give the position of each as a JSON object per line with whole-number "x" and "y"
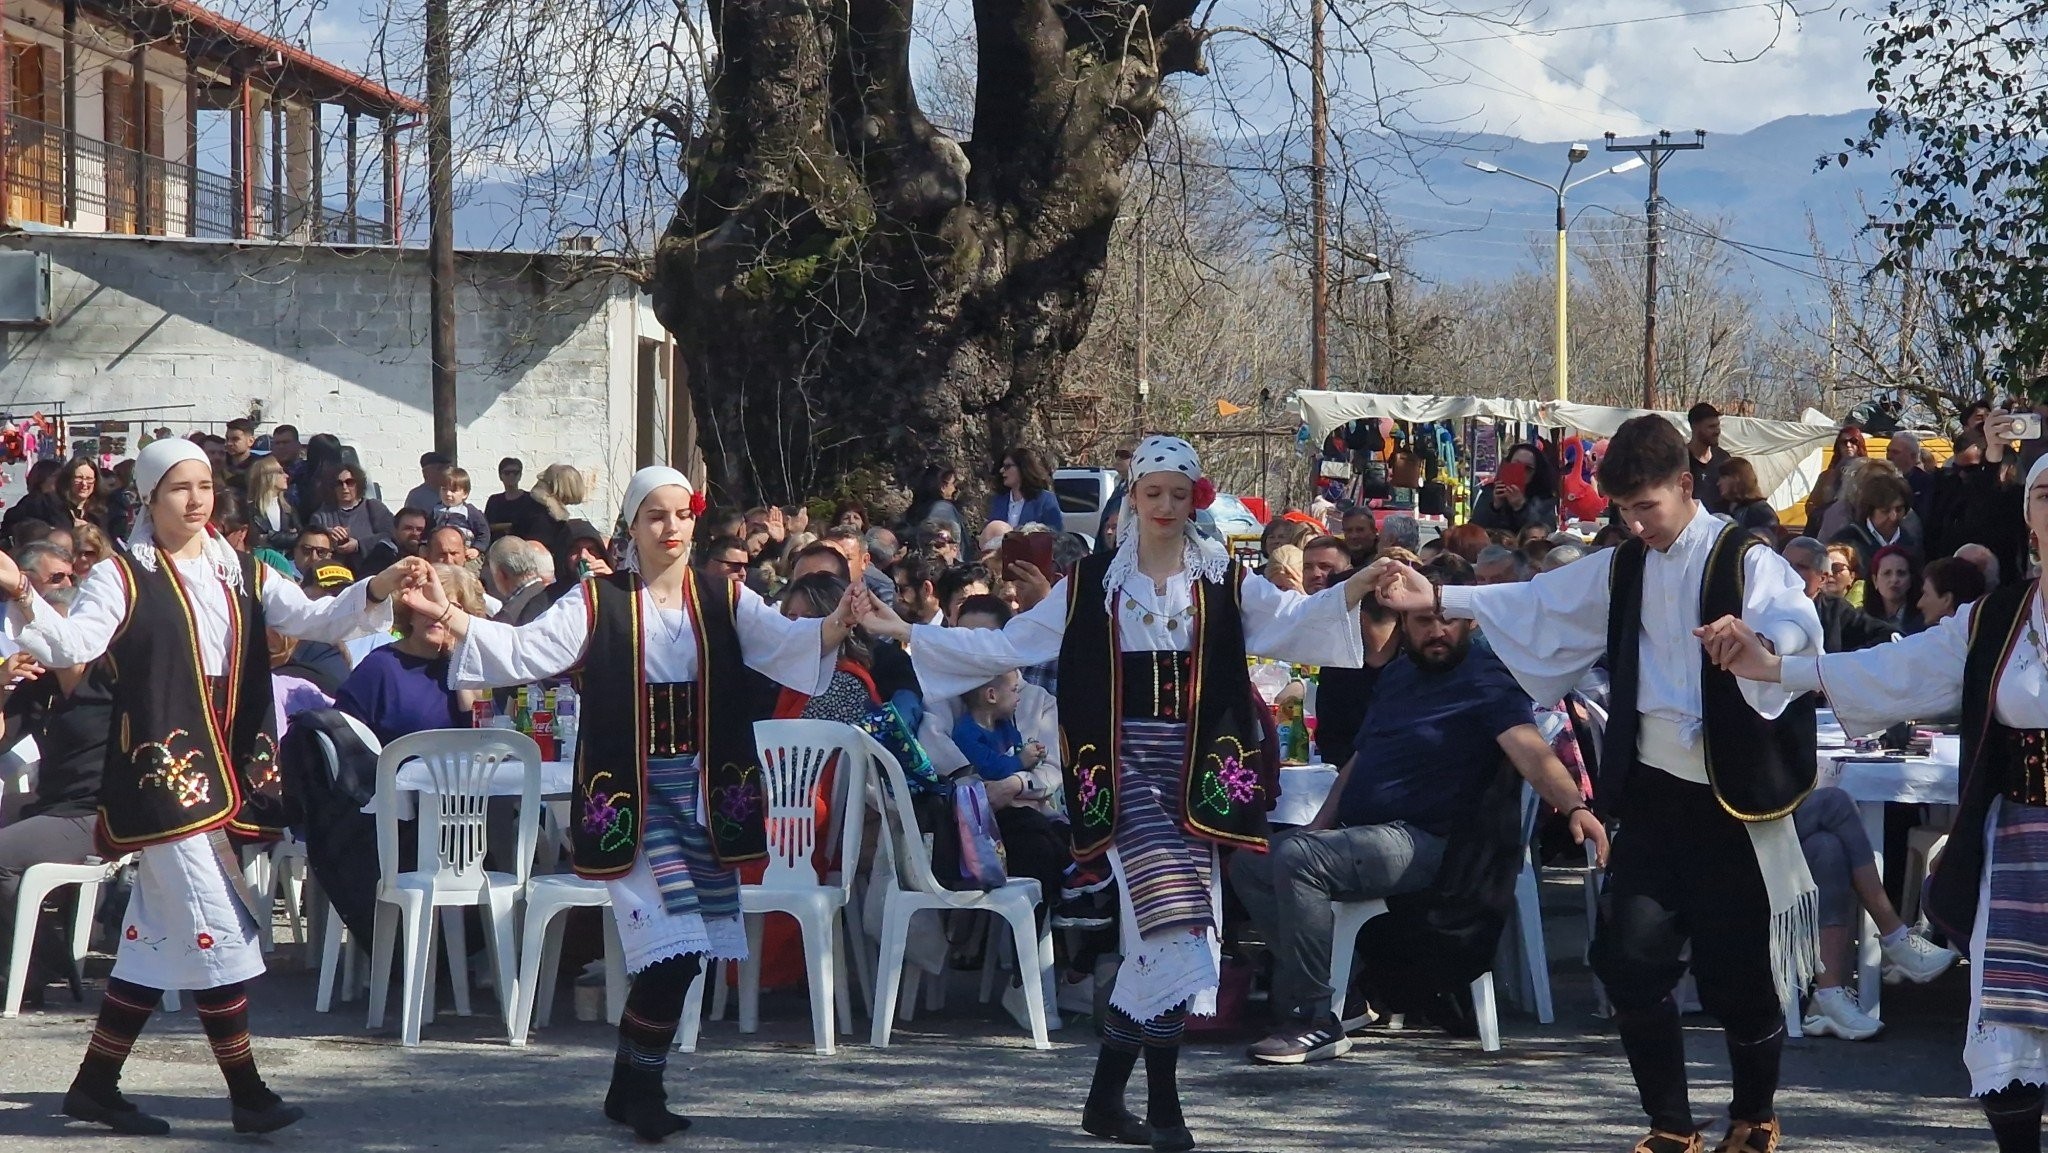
{"x": 1032, "y": 548}
{"x": 1513, "y": 474}
{"x": 2026, "y": 425}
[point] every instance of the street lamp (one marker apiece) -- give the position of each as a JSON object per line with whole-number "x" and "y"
{"x": 1564, "y": 185}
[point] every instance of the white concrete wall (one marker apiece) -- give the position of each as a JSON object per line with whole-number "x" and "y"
{"x": 337, "y": 341}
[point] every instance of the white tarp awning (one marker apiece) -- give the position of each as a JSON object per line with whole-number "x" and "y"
{"x": 1784, "y": 452}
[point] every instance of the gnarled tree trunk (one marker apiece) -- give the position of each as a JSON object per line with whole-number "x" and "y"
{"x": 856, "y": 295}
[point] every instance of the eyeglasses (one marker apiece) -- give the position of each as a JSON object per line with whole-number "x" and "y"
{"x": 943, "y": 542}
{"x": 61, "y": 577}
{"x": 1839, "y": 568}
{"x": 732, "y": 565}
{"x": 348, "y": 481}
{"x": 316, "y": 552}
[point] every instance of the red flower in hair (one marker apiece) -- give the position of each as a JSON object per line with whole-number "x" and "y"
{"x": 1205, "y": 492}
{"x": 697, "y": 504}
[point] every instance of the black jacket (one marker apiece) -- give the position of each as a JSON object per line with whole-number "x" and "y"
{"x": 1972, "y": 506}
{"x": 1846, "y": 628}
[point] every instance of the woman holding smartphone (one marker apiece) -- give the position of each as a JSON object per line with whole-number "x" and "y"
{"x": 1523, "y": 493}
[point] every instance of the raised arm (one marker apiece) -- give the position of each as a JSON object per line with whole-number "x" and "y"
{"x": 490, "y": 655}
{"x": 799, "y": 653}
{"x": 62, "y": 640}
{"x": 361, "y": 609}
{"x": 1549, "y": 631}
{"x": 951, "y": 662}
{"x": 1908, "y": 679}
{"x": 1306, "y": 630}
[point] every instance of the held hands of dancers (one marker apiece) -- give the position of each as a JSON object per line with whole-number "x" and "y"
{"x": 406, "y": 574}
{"x": 877, "y": 618}
{"x": 1737, "y": 648}
{"x": 1399, "y": 588}
{"x": 428, "y": 601}
{"x": 835, "y": 628}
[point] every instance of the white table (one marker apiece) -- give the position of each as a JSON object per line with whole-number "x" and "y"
{"x": 1873, "y": 784}
{"x": 1303, "y": 789}
{"x": 556, "y": 780}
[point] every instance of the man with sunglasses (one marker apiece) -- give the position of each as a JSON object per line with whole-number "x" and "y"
{"x": 315, "y": 548}
{"x": 1844, "y": 627}
{"x": 48, "y": 567}
{"x": 727, "y": 557}
{"x": 939, "y": 538}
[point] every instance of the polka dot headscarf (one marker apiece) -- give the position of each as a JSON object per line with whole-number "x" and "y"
{"x": 1165, "y": 454}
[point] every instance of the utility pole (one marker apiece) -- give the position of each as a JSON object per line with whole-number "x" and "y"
{"x": 441, "y": 223}
{"x": 1655, "y": 151}
{"x": 1319, "y": 172}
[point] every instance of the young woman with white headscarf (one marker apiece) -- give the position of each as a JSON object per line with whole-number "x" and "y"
{"x": 1990, "y": 663}
{"x": 1163, "y": 750}
{"x": 176, "y": 626}
{"x": 661, "y": 651}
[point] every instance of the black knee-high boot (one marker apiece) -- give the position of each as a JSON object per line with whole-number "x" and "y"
{"x": 2015, "y": 1116}
{"x": 1655, "y": 1045}
{"x": 95, "y": 1093}
{"x": 1105, "y": 1115}
{"x": 1162, "y": 1081}
{"x": 224, "y": 1014}
{"x": 1754, "y": 1053}
{"x": 654, "y": 1008}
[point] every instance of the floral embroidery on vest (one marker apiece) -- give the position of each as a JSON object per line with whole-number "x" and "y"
{"x": 174, "y": 771}
{"x": 604, "y": 818}
{"x": 1228, "y": 778}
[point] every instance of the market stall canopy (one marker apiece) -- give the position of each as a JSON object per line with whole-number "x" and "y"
{"x": 1786, "y": 453}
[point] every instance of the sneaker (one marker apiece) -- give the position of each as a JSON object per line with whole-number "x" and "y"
{"x": 1834, "y": 1013}
{"x": 1309, "y": 1041}
{"x": 1917, "y": 959}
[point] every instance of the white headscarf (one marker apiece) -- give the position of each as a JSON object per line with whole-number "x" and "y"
{"x": 2040, "y": 466}
{"x": 151, "y": 464}
{"x": 1202, "y": 558}
{"x": 638, "y": 490}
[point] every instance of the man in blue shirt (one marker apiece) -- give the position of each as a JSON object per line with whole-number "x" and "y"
{"x": 1442, "y": 716}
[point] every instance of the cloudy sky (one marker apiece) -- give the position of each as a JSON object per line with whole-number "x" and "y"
{"x": 1558, "y": 71}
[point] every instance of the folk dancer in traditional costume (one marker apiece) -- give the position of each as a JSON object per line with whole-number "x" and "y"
{"x": 1162, "y": 754}
{"x": 176, "y": 627}
{"x": 1702, "y": 770}
{"x": 1990, "y": 663}
{"x": 667, "y": 798}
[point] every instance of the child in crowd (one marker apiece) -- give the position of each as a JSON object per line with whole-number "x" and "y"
{"x": 456, "y": 512}
{"x": 987, "y": 730}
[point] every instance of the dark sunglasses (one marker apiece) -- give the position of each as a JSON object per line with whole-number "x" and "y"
{"x": 62, "y": 577}
{"x": 316, "y": 551}
{"x": 345, "y": 480}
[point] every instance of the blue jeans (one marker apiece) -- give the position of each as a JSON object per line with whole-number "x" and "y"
{"x": 1288, "y": 892}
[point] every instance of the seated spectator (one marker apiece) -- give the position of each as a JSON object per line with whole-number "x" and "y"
{"x": 1498, "y": 565}
{"x": 819, "y": 557}
{"x": 69, "y": 713}
{"x": 883, "y": 548}
{"x": 273, "y": 522}
{"x": 1441, "y": 719}
{"x": 1882, "y": 501}
{"x": 851, "y": 695}
{"x": 727, "y": 558}
{"x": 589, "y": 553}
{"x": 1839, "y": 855}
{"x": 1894, "y": 590}
{"x": 1742, "y": 499}
{"x": 986, "y": 731}
{"x": 453, "y": 510}
{"x": 402, "y": 687}
{"x": 521, "y": 574}
{"x": 1362, "y": 536}
{"x": 1844, "y": 627}
{"x": 48, "y": 567}
{"x": 90, "y": 546}
{"x": 1530, "y": 504}
{"x": 1985, "y": 561}
{"x": 446, "y": 545}
{"x": 1467, "y": 541}
{"x": 1560, "y": 556}
{"x": 356, "y": 521}
{"x": 1947, "y": 585}
{"x": 917, "y": 589}
{"x": 314, "y": 550}
{"x": 940, "y": 539}
{"x": 991, "y": 540}
{"x": 1845, "y": 573}
{"x": 297, "y": 686}
{"x": 852, "y": 544}
{"x": 958, "y": 583}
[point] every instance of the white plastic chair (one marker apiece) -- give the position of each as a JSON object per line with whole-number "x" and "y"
{"x": 540, "y": 949}
{"x": 1351, "y": 916}
{"x": 451, "y": 874}
{"x": 913, "y": 889}
{"x": 37, "y": 883}
{"x": 333, "y": 961}
{"x": 793, "y": 756}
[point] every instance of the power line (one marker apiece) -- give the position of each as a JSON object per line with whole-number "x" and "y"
{"x": 1512, "y": 33}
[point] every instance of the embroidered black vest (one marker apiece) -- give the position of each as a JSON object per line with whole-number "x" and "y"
{"x": 187, "y": 755}
{"x": 1759, "y": 769}
{"x": 1226, "y": 786}
{"x": 609, "y": 807}
{"x": 1996, "y": 624}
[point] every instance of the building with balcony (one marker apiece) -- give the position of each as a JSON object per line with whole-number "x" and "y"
{"x": 110, "y": 101}
{"x": 218, "y": 213}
